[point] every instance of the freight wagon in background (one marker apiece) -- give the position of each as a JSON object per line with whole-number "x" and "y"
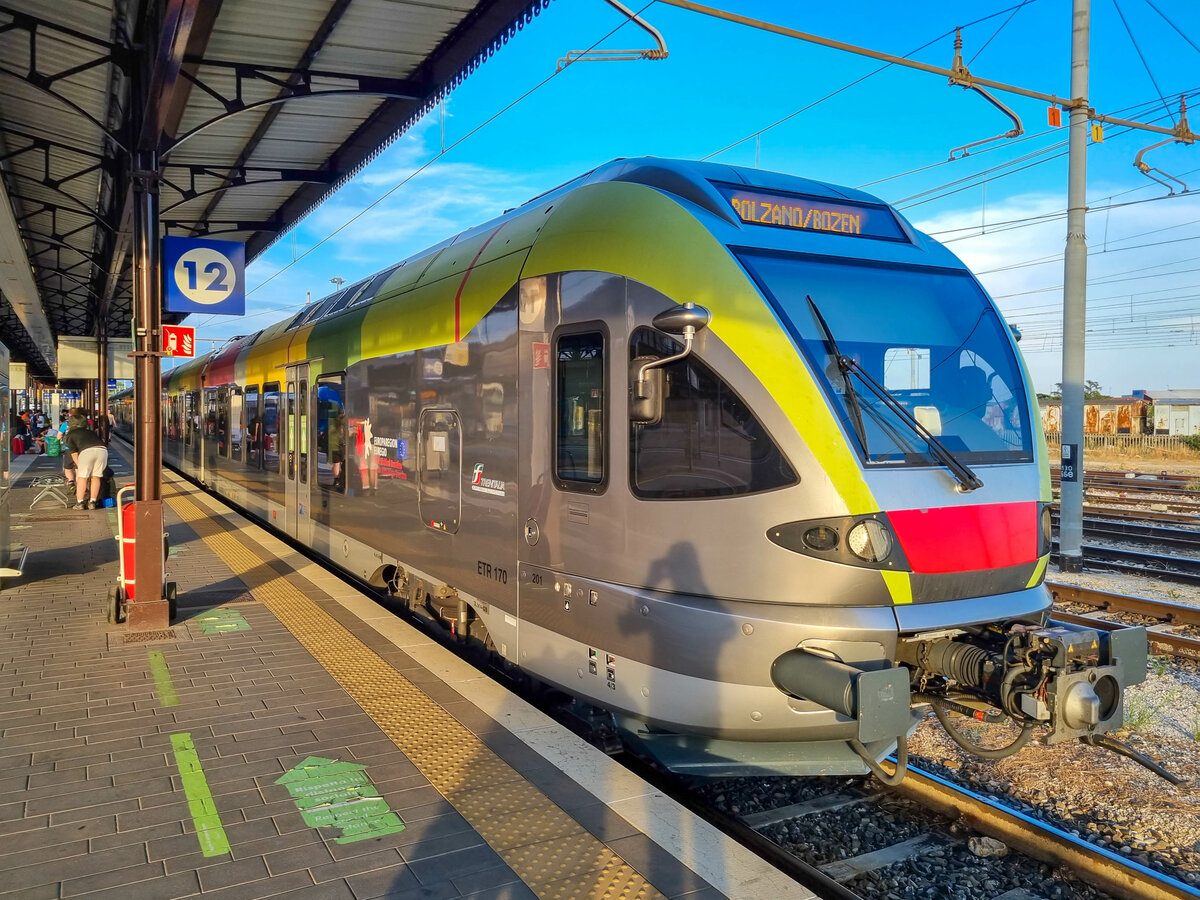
{"x": 1108, "y": 415}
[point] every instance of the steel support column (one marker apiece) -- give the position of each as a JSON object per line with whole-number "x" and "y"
{"x": 149, "y": 609}
{"x": 102, "y": 379}
{"x": 1070, "y": 536}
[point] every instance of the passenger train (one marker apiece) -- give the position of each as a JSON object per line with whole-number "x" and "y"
{"x": 740, "y": 458}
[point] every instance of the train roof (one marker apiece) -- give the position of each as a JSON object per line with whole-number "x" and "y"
{"x": 732, "y": 203}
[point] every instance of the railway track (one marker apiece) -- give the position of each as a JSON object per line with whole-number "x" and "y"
{"x": 1179, "y": 569}
{"x": 1174, "y": 625}
{"x": 857, "y": 839}
{"x": 1139, "y": 532}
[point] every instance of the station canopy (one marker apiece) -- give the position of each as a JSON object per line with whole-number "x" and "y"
{"x": 257, "y": 110}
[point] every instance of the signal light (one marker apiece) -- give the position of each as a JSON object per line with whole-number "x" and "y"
{"x": 1054, "y": 116}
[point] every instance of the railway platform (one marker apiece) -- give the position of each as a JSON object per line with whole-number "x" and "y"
{"x": 290, "y": 737}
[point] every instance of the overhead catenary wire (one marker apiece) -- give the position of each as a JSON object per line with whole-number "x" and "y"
{"x": 1142, "y": 57}
{"x": 862, "y": 78}
{"x": 1178, "y": 30}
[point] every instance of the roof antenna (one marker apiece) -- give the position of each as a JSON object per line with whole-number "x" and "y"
{"x": 1183, "y": 135}
{"x": 592, "y": 55}
{"x": 961, "y": 76}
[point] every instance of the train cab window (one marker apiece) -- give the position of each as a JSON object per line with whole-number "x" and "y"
{"x": 580, "y": 411}
{"x": 254, "y": 428}
{"x": 270, "y": 429}
{"x": 331, "y": 433}
{"x": 708, "y": 443}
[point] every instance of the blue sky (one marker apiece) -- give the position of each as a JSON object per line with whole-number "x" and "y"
{"x": 724, "y": 82}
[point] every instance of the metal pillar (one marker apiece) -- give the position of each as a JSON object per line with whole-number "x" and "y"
{"x": 149, "y": 609}
{"x": 102, "y": 380}
{"x": 1070, "y": 535}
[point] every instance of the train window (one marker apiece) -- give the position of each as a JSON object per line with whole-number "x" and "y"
{"x": 222, "y": 430}
{"x": 236, "y": 423}
{"x": 302, "y": 403}
{"x": 707, "y": 443}
{"x": 331, "y": 433}
{"x": 580, "y": 410}
{"x": 254, "y": 428}
{"x": 931, "y": 337}
{"x": 270, "y": 427}
{"x": 191, "y": 417}
{"x": 440, "y": 464}
{"x": 289, "y": 426}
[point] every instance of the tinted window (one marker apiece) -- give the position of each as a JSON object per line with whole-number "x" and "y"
{"x": 271, "y": 427}
{"x": 254, "y": 428}
{"x": 930, "y": 336}
{"x": 331, "y": 433}
{"x": 441, "y": 463}
{"x": 707, "y": 443}
{"x": 579, "y": 391}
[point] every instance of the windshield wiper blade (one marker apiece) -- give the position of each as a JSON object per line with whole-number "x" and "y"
{"x": 967, "y": 479}
{"x": 831, "y": 347}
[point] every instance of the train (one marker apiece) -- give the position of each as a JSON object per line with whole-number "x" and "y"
{"x": 738, "y": 460}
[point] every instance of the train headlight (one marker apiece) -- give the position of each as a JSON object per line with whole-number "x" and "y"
{"x": 1047, "y": 532}
{"x": 869, "y": 540}
{"x": 821, "y": 537}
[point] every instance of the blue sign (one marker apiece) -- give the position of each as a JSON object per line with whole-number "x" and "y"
{"x": 204, "y": 276}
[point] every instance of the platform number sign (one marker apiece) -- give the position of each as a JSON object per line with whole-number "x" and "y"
{"x": 1070, "y": 463}
{"x": 204, "y": 276}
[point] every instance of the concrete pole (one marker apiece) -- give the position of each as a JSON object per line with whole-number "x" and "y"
{"x": 1070, "y": 538}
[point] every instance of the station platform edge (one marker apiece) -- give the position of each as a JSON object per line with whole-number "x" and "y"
{"x": 290, "y": 737}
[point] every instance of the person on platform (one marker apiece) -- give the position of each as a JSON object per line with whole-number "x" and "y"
{"x": 90, "y": 457}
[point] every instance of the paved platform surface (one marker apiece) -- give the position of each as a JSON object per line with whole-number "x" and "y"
{"x": 291, "y": 738}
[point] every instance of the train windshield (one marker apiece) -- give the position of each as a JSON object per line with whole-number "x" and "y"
{"x": 928, "y": 336}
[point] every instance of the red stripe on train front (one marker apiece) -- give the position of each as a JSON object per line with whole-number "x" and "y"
{"x": 965, "y": 538}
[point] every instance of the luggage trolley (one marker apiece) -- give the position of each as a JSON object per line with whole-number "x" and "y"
{"x": 120, "y": 594}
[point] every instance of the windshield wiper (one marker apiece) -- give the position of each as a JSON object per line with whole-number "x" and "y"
{"x": 831, "y": 348}
{"x": 967, "y": 480}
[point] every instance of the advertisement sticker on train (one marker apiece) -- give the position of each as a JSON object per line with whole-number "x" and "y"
{"x": 801, "y": 213}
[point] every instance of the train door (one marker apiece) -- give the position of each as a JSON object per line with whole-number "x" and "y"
{"x": 297, "y": 440}
{"x": 573, "y": 443}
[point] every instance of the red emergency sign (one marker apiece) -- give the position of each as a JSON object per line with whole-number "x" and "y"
{"x": 178, "y": 340}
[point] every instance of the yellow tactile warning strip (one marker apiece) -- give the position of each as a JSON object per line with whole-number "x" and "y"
{"x": 549, "y": 850}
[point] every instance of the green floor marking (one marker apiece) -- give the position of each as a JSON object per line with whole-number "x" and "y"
{"x": 209, "y": 832}
{"x": 339, "y": 794}
{"x": 220, "y": 620}
{"x": 162, "y": 680}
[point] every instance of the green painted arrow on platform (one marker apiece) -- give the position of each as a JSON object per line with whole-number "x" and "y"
{"x": 332, "y": 793}
{"x": 221, "y": 620}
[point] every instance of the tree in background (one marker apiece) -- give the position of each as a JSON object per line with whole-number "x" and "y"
{"x": 1091, "y": 391}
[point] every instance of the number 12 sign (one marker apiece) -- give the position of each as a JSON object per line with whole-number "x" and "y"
{"x": 204, "y": 276}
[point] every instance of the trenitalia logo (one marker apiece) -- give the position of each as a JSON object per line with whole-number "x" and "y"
{"x": 493, "y": 486}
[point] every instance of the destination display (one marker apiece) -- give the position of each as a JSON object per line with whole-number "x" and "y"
{"x": 812, "y": 213}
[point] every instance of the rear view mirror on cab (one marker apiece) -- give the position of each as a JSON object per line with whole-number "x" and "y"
{"x": 645, "y": 373}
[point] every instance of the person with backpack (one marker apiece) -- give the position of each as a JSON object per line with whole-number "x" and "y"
{"x": 91, "y": 458}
